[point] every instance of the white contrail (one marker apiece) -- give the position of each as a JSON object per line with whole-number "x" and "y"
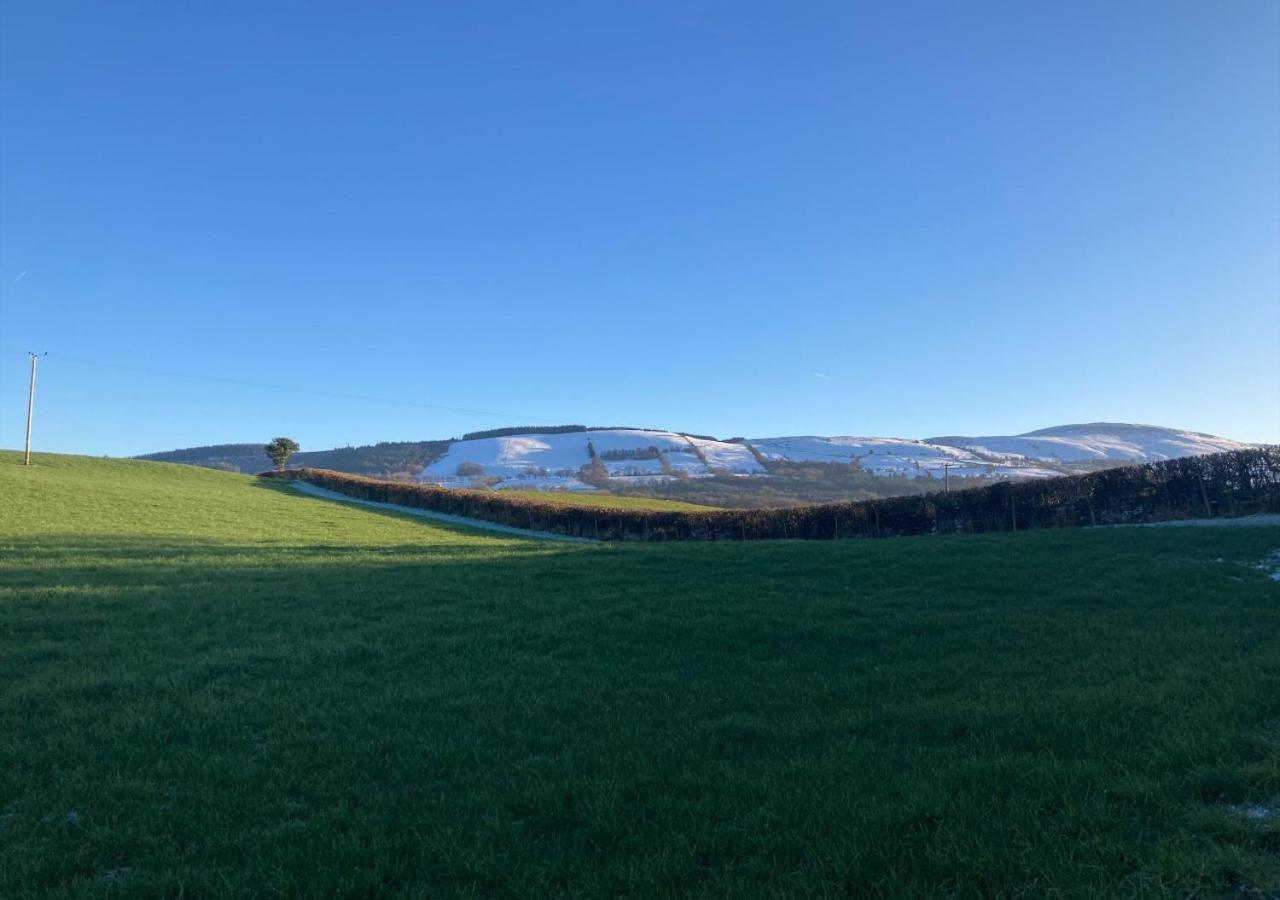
{"x": 820, "y": 375}
{"x": 21, "y": 275}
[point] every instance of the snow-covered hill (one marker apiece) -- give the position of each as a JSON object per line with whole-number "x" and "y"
{"x": 556, "y": 460}
{"x": 632, "y": 456}
{"x": 1097, "y": 441}
{"x": 895, "y": 456}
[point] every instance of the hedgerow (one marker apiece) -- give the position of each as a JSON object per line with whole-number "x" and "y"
{"x": 1225, "y": 484}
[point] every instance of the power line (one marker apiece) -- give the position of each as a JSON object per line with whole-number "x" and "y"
{"x": 315, "y": 392}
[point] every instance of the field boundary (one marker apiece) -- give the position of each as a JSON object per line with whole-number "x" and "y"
{"x": 1239, "y": 483}
{"x": 312, "y": 490}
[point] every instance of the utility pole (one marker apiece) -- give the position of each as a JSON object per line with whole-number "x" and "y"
{"x": 31, "y": 403}
{"x": 946, "y": 478}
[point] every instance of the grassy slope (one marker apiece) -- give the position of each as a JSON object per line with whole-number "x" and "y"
{"x": 604, "y": 501}
{"x": 220, "y": 687}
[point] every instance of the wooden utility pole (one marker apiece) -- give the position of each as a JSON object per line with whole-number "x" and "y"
{"x": 31, "y": 403}
{"x": 946, "y": 477}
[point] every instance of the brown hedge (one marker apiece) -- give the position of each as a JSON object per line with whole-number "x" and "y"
{"x": 1225, "y": 484}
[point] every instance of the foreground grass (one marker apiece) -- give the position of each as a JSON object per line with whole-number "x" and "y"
{"x": 214, "y": 687}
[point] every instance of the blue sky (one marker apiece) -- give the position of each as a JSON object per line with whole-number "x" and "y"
{"x": 736, "y": 218}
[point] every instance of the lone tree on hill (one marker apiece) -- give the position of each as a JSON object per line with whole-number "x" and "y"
{"x": 280, "y": 450}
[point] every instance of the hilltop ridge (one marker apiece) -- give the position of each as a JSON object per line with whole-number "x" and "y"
{"x": 737, "y": 471}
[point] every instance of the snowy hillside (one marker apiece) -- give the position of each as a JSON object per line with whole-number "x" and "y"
{"x": 894, "y": 456}
{"x": 1097, "y": 441}
{"x": 624, "y": 457}
{"x": 557, "y": 460}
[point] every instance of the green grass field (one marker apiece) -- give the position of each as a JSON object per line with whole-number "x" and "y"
{"x": 605, "y": 501}
{"x": 215, "y": 687}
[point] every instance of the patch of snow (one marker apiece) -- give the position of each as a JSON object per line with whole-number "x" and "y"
{"x": 895, "y": 456}
{"x": 734, "y": 458}
{"x": 627, "y": 439}
{"x": 1099, "y": 441}
{"x": 618, "y": 468}
{"x": 675, "y": 449}
{"x": 871, "y": 452}
{"x": 507, "y": 457}
{"x": 1035, "y": 454}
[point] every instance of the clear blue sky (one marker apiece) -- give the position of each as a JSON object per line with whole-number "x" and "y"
{"x": 738, "y": 218}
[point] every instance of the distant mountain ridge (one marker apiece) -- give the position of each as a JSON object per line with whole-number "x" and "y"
{"x": 1098, "y": 441}
{"x": 575, "y": 457}
{"x": 385, "y": 459}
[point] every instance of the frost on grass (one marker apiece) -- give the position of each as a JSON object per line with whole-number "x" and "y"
{"x": 1258, "y": 812}
{"x": 1269, "y": 564}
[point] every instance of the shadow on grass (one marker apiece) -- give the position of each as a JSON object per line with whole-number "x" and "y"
{"x": 158, "y": 549}
{"x": 412, "y": 719}
{"x": 69, "y": 565}
{"x": 480, "y": 528}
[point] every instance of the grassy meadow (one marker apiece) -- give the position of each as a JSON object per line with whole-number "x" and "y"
{"x": 211, "y": 686}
